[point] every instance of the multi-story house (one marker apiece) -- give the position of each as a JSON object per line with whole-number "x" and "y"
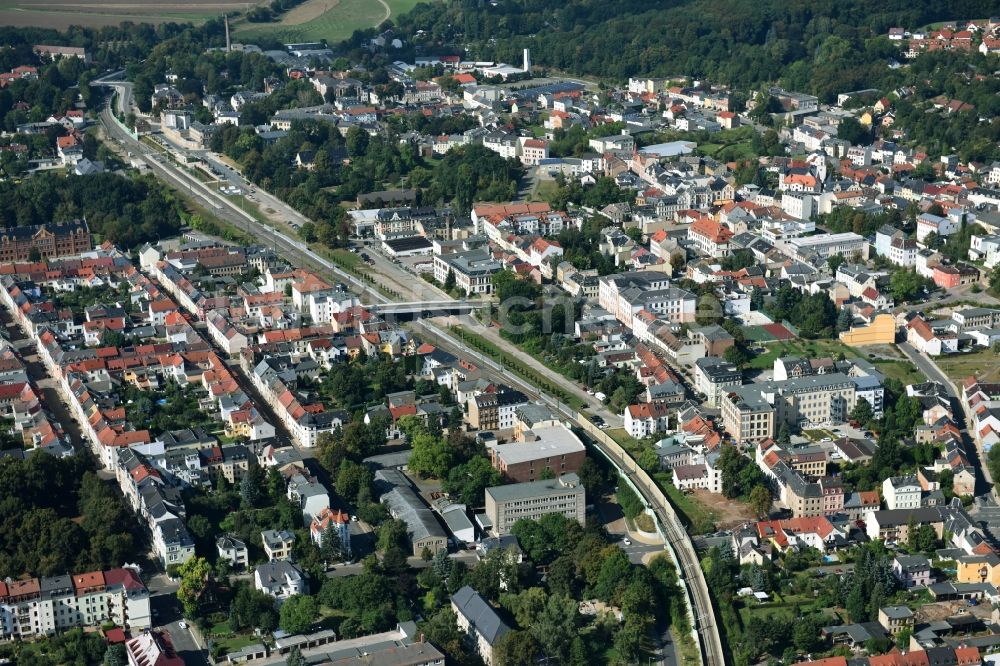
{"x": 481, "y": 624}
{"x": 710, "y": 237}
{"x": 901, "y": 492}
{"x": 277, "y": 544}
{"x": 35, "y": 607}
{"x": 233, "y": 550}
{"x": 495, "y": 410}
{"x": 912, "y": 570}
{"x": 336, "y": 520}
{"x": 646, "y": 418}
{"x": 507, "y": 504}
{"x": 714, "y": 377}
{"x": 280, "y": 579}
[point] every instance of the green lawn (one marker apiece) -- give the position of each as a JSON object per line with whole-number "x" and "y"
{"x": 528, "y": 373}
{"x": 698, "y": 518}
{"x": 237, "y": 642}
{"x": 334, "y": 25}
{"x": 817, "y": 435}
{"x": 803, "y": 348}
{"x": 729, "y": 145}
{"x": 903, "y": 371}
{"x": 983, "y": 364}
{"x": 543, "y": 189}
{"x": 349, "y": 261}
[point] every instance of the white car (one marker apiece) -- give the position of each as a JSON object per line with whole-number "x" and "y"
{"x": 182, "y": 624}
{"x": 627, "y": 541}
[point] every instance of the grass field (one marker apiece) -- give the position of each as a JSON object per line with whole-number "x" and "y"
{"x": 983, "y": 364}
{"x": 332, "y": 20}
{"x": 903, "y": 371}
{"x": 697, "y": 518}
{"x": 804, "y": 348}
{"x": 543, "y": 189}
{"x": 61, "y": 14}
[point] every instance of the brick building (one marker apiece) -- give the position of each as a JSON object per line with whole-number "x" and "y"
{"x": 61, "y": 239}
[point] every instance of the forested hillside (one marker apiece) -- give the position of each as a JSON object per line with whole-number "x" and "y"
{"x": 826, "y": 45}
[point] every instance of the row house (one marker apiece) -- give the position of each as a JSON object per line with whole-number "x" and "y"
{"x": 35, "y": 607}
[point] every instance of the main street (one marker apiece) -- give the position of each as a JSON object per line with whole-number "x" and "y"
{"x": 299, "y": 254}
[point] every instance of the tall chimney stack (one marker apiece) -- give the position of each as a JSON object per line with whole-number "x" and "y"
{"x": 229, "y": 45}
{"x": 527, "y": 61}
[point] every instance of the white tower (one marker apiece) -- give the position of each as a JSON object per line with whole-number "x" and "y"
{"x": 527, "y": 61}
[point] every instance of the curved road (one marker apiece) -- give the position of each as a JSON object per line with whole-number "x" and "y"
{"x": 691, "y": 575}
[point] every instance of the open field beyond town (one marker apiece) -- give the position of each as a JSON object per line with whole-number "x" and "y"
{"x": 330, "y": 20}
{"x": 60, "y": 14}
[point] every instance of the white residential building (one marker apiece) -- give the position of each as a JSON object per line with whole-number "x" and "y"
{"x": 280, "y": 579}
{"x": 901, "y": 492}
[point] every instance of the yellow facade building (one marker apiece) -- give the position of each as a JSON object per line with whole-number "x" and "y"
{"x": 882, "y": 331}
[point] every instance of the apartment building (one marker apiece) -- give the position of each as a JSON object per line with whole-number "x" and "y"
{"x": 495, "y": 410}
{"x": 893, "y": 524}
{"x": 481, "y": 625}
{"x": 714, "y": 377}
{"x": 44, "y": 606}
{"x": 505, "y": 505}
{"x": 473, "y": 270}
{"x": 553, "y": 448}
{"x": 611, "y": 288}
{"x": 712, "y": 238}
{"x": 901, "y": 492}
{"x": 826, "y": 245}
{"x": 803, "y": 402}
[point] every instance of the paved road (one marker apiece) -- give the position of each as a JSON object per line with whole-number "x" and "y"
{"x": 930, "y": 369}
{"x": 188, "y": 644}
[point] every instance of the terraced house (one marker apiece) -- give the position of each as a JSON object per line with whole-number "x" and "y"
{"x": 35, "y": 607}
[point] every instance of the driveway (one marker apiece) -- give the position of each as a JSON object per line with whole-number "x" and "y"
{"x": 167, "y": 615}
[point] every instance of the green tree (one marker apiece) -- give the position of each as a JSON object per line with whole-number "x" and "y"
{"x": 516, "y": 648}
{"x": 331, "y": 548}
{"x": 806, "y": 633}
{"x": 298, "y": 613}
{"x": 295, "y": 658}
{"x": 449, "y": 281}
{"x": 905, "y": 285}
{"x": 844, "y": 320}
{"x": 392, "y": 536}
{"x": 862, "y": 412}
{"x": 432, "y": 456}
{"x": 555, "y": 627}
{"x": 252, "y": 608}
{"x": 760, "y": 501}
{"x": 115, "y": 655}
{"x": 469, "y": 480}
{"x": 251, "y": 484}
{"x": 194, "y": 576}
